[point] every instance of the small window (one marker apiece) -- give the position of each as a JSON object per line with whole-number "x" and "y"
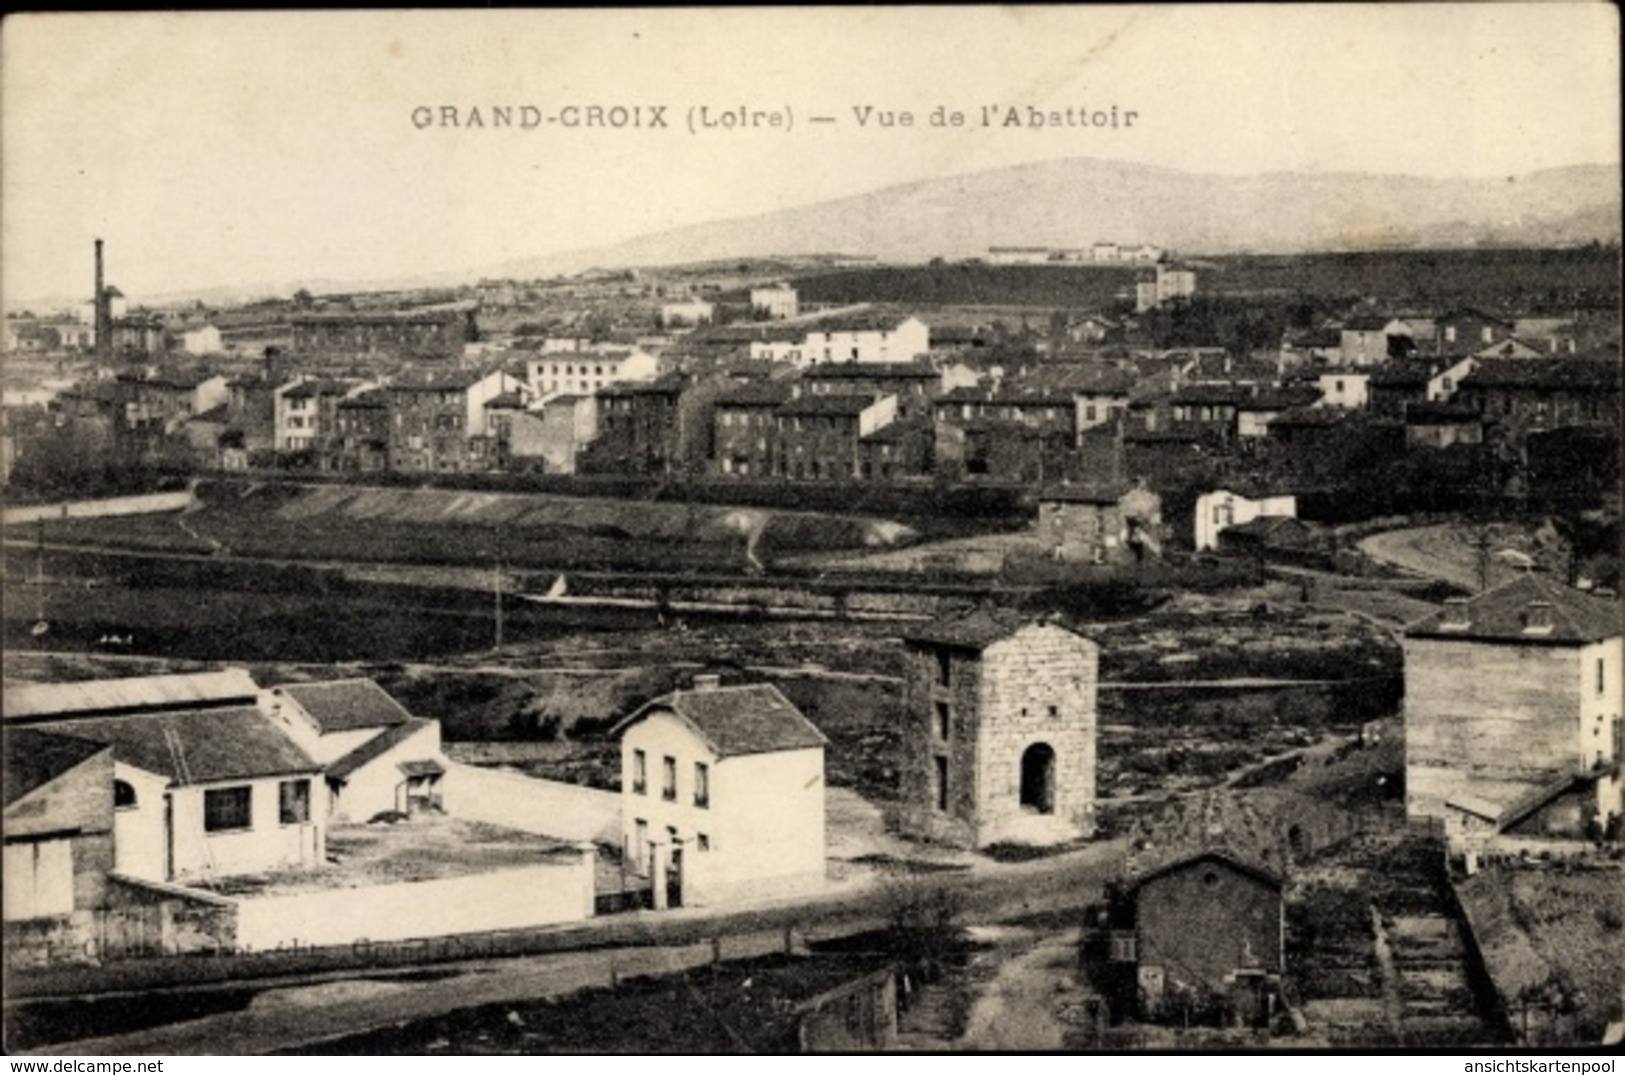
{"x": 702, "y": 841}
{"x": 943, "y": 720}
{"x": 1054, "y": 711}
{"x": 227, "y": 809}
{"x": 1210, "y": 879}
{"x": 640, "y": 772}
{"x": 293, "y": 802}
{"x": 668, "y": 779}
{"x": 123, "y": 795}
{"x": 942, "y": 782}
{"x": 702, "y": 784}
{"x": 1602, "y": 680}
{"x": 944, "y": 667}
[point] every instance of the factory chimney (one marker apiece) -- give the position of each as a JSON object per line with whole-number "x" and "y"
{"x": 101, "y": 312}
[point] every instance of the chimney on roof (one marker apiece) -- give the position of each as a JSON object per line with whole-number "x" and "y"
{"x": 708, "y": 681}
{"x": 1457, "y": 616}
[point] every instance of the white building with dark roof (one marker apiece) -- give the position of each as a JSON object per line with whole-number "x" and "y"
{"x": 379, "y": 758}
{"x": 857, "y": 336}
{"x": 206, "y": 793}
{"x": 722, "y": 794}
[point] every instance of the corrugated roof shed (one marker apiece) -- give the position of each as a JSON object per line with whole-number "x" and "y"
{"x": 345, "y": 705}
{"x": 106, "y": 696}
{"x": 196, "y": 746}
{"x": 750, "y": 719}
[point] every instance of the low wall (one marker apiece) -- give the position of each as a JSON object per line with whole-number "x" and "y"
{"x": 142, "y": 920}
{"x": 148, "y": 504}
{"x": 546, "y": 807}
{"x": 506, "y": 899}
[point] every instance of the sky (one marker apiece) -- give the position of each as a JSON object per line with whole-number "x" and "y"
{"x": 263, "y": 149}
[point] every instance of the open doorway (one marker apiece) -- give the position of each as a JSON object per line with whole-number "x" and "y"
{"x": 1038, "y": 779}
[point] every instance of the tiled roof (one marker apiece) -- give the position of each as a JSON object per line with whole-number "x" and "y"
{"x": 815, "y": 405}
{"x": 372, "y": 399}
{"x": 1468, "y": 313}
{"x": 436, "y": 381}
{"x": 750, "y": 719}
{"x": 846, "y": 371}
{"x": 754, "y": 394}
{"x": 320, "y": 386}
{"x": 33, "y": 758}
{"x": 1103, "y": 493}
{"x": 1598, "y": 374}
{"x": 1366, "y": 323}
{"x": 1013, "y": 396}
{"x": 1404, "y": 374}
{"x": 1213, "y": 393}
{"x": 897, "y": 432}
{"x": 1261, "y": 525}
{"x": 341, "y": 768}
{"x": 976, "y": 630}
{"x": 196, "y": 746}
{"x": 670, "y": 384}
{"x": 513, "y": 401}
{"x": 346, "y": 704}
{"x": 1503, "y": 615}
{"x": 1309, "y": 416}
{"x": 1421, "y": 414}
{"x": 1192, "y": 857}
{"x": 1279, "y": 399}
{"x": 93, "y": 697}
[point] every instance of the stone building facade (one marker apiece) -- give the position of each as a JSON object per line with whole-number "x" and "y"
{"x": 1512, "y": 702}
{"x": 999, "y": 733}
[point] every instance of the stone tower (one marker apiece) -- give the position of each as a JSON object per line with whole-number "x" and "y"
{"x": 998, "y": 732}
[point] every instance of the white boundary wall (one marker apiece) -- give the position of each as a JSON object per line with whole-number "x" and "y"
{"x": 546, "y": 807}
{"x": 507, "y": 899}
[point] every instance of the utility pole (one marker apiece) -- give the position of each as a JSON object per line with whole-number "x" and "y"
{"x": 496, "y": 595}
{"x": 1482, "y": 544}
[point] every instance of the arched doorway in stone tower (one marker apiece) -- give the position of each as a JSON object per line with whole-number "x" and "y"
{"x": 1038, "y": 779}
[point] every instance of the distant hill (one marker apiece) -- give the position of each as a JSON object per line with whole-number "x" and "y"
{"x": 1081, "y": 201}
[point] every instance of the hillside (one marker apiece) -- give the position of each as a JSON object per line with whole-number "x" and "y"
{"x": 1079, "y": 201}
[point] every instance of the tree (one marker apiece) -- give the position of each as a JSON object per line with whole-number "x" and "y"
{"x": 924, "y": 929}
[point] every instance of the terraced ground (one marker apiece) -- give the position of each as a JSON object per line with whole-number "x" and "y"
{"x": 1376, "y": 957}
{"x": 443, "y": 526}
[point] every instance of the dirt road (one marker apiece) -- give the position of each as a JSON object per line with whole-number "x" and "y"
{"x": 1019, "y": 1009}
{"x": 1441, "y": 552}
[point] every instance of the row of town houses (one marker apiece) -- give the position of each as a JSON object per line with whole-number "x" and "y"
{"x": 859, "y": 395}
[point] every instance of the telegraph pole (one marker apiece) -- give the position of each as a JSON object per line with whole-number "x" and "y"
{"x": 1482, "y": 544}
{"x": 496, "y": 596}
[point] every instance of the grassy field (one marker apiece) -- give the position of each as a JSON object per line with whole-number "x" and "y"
{"x": 1546, "y": 279}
